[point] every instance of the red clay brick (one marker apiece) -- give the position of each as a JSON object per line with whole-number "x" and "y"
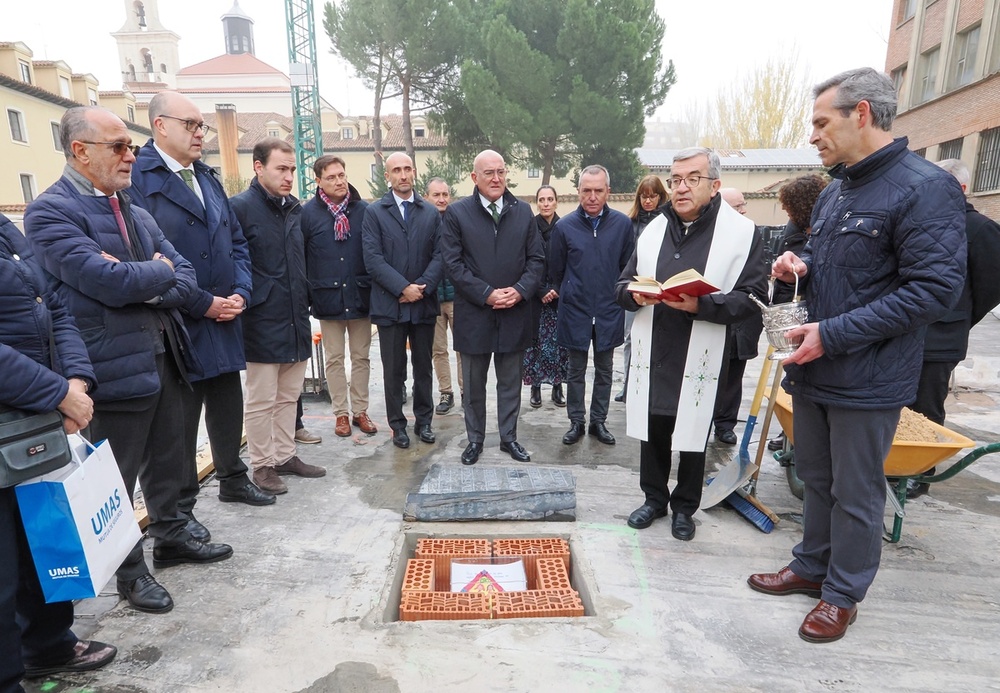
{"x": 537, "y": 604}
{"x": 442, "y": 551}
{"x": 550, "y": 574}
{"x": 419, "y": 576}
{"x": 531, "y": 547}
{"x": 444, "y": 606}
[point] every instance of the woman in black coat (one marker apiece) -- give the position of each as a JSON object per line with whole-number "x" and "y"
{"x": 545, "y": 361}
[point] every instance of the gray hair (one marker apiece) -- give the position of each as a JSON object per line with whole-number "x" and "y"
{"x": 957, "y": 168}
{"x": 595, "y": 169}
{"x": 863, "y": 84}
{"x": 74, "y": 125}
{"x": 714, "y": 165}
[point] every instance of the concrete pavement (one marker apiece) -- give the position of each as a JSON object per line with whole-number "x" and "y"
{"x": 304, "y": 603}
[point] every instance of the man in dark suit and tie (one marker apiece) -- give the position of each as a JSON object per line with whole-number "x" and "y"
{"x": 191, "y": 208}
{"x": 124, "y": 283}
{"x": 400, "y": 236}
{"x": 493, "y": 254}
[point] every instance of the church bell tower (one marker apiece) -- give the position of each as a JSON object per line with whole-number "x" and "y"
{"x": 147, "y": 52}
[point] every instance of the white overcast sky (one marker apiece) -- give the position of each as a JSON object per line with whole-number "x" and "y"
{"x": 710, "y": 41}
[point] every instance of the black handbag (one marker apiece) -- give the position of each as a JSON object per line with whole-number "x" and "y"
{"x": 30, "y": 445}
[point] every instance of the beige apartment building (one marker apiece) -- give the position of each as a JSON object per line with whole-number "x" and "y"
{"x": 34, "y": 94}
{"x": 944, "y": 57}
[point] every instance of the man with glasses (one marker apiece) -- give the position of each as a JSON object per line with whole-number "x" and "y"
{"x": 493, "y": 255}
{"x": 340, "y": 290}
{"x": 678, "y": 346}
{"x": 190, "y": 206}
{"x": 587, "y": 253}
{"x": 124, "y": 283}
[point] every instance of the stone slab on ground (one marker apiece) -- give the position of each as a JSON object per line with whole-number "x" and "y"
{"x": 451, "y": 493}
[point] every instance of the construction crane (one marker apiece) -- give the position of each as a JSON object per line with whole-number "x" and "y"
{"x": 305, "y": 89}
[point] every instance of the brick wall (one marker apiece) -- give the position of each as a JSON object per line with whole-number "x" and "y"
{"x": 969, "y": 12}
{"x": 957, "y": 114}
{"x": 933, "y": 26}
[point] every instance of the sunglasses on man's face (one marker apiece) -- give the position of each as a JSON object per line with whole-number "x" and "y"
{"x": 119, "y": 148}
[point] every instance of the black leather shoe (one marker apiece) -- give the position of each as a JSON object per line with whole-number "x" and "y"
{"x": 197, "y": 530}
{"x": 573, "y": 435}
{"x": 146, "y": 594}
{"x": 643, "y": 516}
{"x": 536, "y": 396}
{"x": 426, "y": 433}
{"x": 400, "y": 439}
{"x": 515, "y": 450}
{"x": 190, "y": 552}
{"x": 776, "y": 443}
{"x": 725, "y": 436}
{"x": 557, "y": 396}
{"x": 472, "y": 452}
{"x": 601, "y": 432}
{"x": 248, "y": 493}
{"x": 620, "y": 397}
{"x": 682, "y": 527}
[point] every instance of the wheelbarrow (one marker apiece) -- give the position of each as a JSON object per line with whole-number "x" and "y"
{"x": 906, "y": 460}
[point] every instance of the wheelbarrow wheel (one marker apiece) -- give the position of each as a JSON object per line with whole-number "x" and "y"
{"x": 787, "y": 458}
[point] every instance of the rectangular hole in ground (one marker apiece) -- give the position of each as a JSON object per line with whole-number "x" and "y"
{"x": 578, "y": 572}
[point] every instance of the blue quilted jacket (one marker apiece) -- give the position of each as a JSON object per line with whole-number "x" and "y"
{"x": 67, "y": 232}
{"x": 886, "y": 257}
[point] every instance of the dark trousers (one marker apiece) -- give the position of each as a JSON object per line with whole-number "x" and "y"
{"x": 839, "y": 456}
{"x": 475, "y": 370}
{"x": 576, "y": 385}
{"x": 729, "y": 396}
{"x": 654, "y": 470}
{"x": 147, "y": 437}
{"x": 222, "y": 398}
{"x": 28, "y": 626}
{"x": 392, "y": 349}
{"x": 932, "y": 390}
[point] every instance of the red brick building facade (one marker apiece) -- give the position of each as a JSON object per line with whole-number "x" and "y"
{"x": 944, "y": 56}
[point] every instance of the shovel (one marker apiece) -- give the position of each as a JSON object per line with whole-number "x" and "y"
{"x": 737, "y": 473}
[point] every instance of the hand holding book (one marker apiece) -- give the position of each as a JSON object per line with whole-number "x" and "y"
{"x": 689, "y": 282}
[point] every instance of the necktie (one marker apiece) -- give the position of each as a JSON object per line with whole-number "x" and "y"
{"x": 594, "y": 221}
{"x": 117, "y": 209}
{"x": 494, "y": 211}
{"x": 406, "y": 211}
{"x": 188, "y": 178}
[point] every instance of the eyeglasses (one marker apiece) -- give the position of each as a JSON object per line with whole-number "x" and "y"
{"x": 190, "y": 125}
{"x": 119, "y": 148}
{"x": 649, "y": 196}
{"x": 690, "y": 181}
{"x": 498, "y": 173}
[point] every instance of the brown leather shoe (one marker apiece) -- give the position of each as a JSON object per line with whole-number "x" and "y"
{"x": 343, "y": 428}
{"x": 827, "y": 622}
{"x": 365, "y": 424}
{"x": 267, "y": 479}
{"x": 784, "y": 582}
{"x": 296, "y": 467}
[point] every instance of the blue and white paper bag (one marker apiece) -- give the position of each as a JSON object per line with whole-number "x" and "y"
{"x": 79, "y": 522}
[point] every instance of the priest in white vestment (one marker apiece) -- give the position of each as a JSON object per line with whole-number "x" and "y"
{"x": 678, "y": 347}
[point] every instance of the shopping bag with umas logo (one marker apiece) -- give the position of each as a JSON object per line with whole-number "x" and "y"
{"x": 79, "y": 522}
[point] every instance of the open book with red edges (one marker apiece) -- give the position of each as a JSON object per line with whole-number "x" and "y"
{"x": 689, "y": 282}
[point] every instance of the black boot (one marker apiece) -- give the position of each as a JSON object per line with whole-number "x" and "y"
{"x": 557, "y": 395}
{"x": 536, "y": 396}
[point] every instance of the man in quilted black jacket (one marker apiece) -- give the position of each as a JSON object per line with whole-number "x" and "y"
{"x": 886, "y": 257}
